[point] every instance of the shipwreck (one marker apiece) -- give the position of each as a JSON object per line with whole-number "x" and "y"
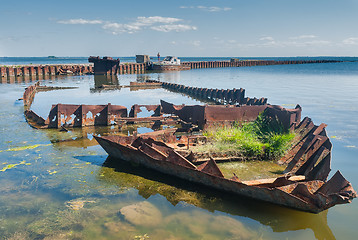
{"x": 302, "y": 185}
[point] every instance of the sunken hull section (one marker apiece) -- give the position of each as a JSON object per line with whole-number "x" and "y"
{"x": 310, "y": 196}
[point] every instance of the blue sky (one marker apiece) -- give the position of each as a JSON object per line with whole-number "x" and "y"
{"x": 249, "y": 28}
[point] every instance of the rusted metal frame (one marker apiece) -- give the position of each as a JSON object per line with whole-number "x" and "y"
{"x": 33, "y": 117}
{"x": 275, "y": 195}
{"x": 232, "y": 113}
{"x": 312, "y": 161}
{"x": 99, "y": 115}
{"x": 211, "y": 168}
{"x": 338, "y": 190}
{"x": 77, "y": 115}
{"x": 151, "y": 152}
{"x": 52, "y": 119}
{"x": 217, "y": 113}
{"x": 64, "y": 113}
{"x": 303, "y": 191}
{"x": 302, "y": 132}
{"x": 301, "y": 151}
{"x": 162, "y": 119}
{"x": 321, "y": 170}
{"x": 135, "y": 109}
{"x": 311, "y": 150}
{"x": 160, "y": 151}
{"x": 46, "y": 88}
{"x": 195, "y": 139}
{"x": 219, "y": 159}
{"x": 309, "y": 142}
{"x": 275, "y": 182}
{"x": 178, "y": 159}
{"x": 29, "y": 94}
{"x": 287, "y": 117}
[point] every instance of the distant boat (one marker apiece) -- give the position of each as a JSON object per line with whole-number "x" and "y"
{"x": 169, "y": 63}
{"x": 52, "y": 57}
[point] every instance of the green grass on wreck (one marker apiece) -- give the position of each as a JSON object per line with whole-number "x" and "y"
{"x": 265, "y": 138}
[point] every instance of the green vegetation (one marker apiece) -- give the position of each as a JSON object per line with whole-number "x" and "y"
{"x": 15, "y": 149}
{"x": 9, "y": 166}
{"x": 265, "y": 138}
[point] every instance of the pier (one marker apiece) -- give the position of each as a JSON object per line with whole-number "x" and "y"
{"x": 44, "y": 70}
{"x": 110, "y": 66}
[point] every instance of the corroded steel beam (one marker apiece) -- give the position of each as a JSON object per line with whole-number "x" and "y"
{"x": 84, "y": 115}
{"x": 210, "y": 114}
{"x": 135, "y": 109}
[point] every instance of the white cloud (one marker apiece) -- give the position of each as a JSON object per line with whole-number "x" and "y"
{"x": 299, "y": 41}
{"x": 173, "y": 27}
{"x": 157, "y": 23}
{"x": 195, "y": 43}
{"x": 304, "y": 43}
{"x": 267, "y": 39}
{"x": 270, "y": 42}
{"x": 116, "y": 28}
{"x": 317, "y": 42}
{"x": 208, "y": 9}
{"x": 156, "y": 19}
{"x": 351, "y": 41}
{"x": 304, "y": 37}
{"x": 80, "y": 21}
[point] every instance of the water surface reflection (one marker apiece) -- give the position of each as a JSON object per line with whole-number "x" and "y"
{"x": 175, "y": 190}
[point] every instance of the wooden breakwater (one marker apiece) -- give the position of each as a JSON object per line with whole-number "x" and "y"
{"x": 110, "y": 66}
{"x": 249, "y": 63}
{"x": 45, "y": 70}
{"x": 219, "y": 96}
{"x": 106, "y": 67}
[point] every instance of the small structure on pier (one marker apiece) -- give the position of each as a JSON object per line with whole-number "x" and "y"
{"x": 142, "y": 58}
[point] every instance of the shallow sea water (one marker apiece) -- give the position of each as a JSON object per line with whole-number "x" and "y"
{"x": 58, "y": 185}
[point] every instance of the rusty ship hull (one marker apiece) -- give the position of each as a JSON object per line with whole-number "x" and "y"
{"x": 293, "y": 192}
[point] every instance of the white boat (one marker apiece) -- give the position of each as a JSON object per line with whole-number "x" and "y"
{"x": 169, "y": 63}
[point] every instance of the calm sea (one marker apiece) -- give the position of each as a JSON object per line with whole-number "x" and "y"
{"x": 69, "y": 60}
{"x": 61, "y": 184}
